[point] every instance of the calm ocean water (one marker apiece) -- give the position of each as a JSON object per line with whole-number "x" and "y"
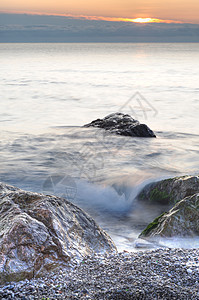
{"x": 48, "y": 91}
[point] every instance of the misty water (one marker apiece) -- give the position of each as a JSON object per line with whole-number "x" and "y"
{"x": 48, "y": 91}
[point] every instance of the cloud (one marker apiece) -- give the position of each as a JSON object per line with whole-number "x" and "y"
{"x": 96, "y": 18}
{"x": 40, "y": 28}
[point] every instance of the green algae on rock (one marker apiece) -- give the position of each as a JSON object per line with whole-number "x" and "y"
{"x": 182, "y": 221}
{"x": 170, "y": 191}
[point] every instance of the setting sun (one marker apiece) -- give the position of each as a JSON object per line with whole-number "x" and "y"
{"x": 144, "y": 20}
{"x": 152, "y": 20}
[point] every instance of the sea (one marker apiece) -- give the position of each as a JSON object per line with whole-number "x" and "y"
{"x": 49, "y": 91}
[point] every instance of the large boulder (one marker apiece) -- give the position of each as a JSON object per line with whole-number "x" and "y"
{"x": 122, "y": 124}
{"x": 170, "y": 191}
{"x": 40, "y": 232}
{"x": 181, "y": 221}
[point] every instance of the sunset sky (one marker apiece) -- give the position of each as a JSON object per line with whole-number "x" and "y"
{"x": 99, "y": 21}
{"x": 177, "y": 10}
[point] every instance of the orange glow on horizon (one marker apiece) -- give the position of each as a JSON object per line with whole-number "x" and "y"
{"x": 98, "y": 18}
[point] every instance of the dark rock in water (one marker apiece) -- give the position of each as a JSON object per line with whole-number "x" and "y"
{"x": 39, "y": 233}
{"x": 170, "y": 191}
{"x": 182, "y": 221}
{"x": 122, "y": 124}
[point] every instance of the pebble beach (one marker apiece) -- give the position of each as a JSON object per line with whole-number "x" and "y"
{"x": 155, "y": 274}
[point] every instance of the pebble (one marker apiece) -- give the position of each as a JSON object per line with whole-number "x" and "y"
{"x": 152, "y": 274}
{"x": 189, "y": 271}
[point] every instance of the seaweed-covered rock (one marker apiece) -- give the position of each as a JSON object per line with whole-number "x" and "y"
{"x": 170, "y": 191}
{"x": 39, "y": 233}
{"x": 182, "y": 221}
{"x": 122, "y": 124}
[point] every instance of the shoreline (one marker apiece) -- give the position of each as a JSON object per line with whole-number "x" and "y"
{"x": 154, "y": 274}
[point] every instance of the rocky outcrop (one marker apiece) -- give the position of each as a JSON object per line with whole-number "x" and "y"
{"x": 170, "y": 191}
{"x": 122, "y": 124}
{"x": 182, "y": 221}
{"x": 39, "y": 233}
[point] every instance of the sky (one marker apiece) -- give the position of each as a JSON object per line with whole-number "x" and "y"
{"x": 99, "y": 21}
{"x": 180, "y": 10}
